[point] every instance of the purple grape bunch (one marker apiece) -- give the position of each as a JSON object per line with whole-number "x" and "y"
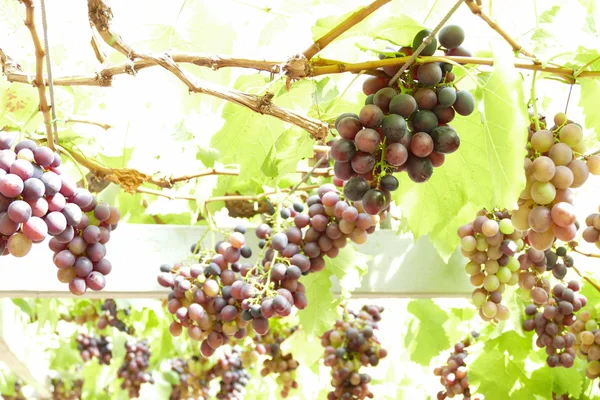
{"x": 37, "y": 200}
{"x": 133, "y": 371}
{"x": 403, "y": 127}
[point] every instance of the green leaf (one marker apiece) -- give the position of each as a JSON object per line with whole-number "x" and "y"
{"x": 589, "y": 103}
{"x": 171, "y": 376}
{"x": 292, "y": 146}
{"x": 207, "y": 156}
{"x": 26, "y": 306}
{"x": 428, "y": 337}
{"x": 487, "y": 169}
{"x": 321, "y": 312}
{"x": 304, "y": 348}
{"x": 163, "y": 387}
{"x": 567, "y": 380}
{"x": 348, "y": 267}
{"x": 399, "y": 29}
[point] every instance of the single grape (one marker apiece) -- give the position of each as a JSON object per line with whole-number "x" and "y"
{"x": 373, "y": 202}
{"x": 403, "y": 104}
{"x": 363, "y": 162}
{"x": 355, "y": 188}
{"x": 418, "y": 40}
{"x": 445, "y": 139}
{"x": 429, "y": 74}
{"x": 371, "y": 116}
{"x": 394, "y": 128}
{"x": 367, "y": 140}
{"x": 446, "y": 96}
{"x": 451, "y": 36}
{"x": 383, "y": 97}
{"x": 424, "y": 121}
{"x": 348, "y": 127}
{"x": 419, "y": 169}
{"x": 396, "y": 154}
{"x": 465, "y": 103}
{"x": 421, "y": 144}
{"x": 426, "y": 98}
{"x": 389, "y": 183}
{"x": 343, "y": 150}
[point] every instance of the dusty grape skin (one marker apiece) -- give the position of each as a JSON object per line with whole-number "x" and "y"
{"x": 445, "y": 139}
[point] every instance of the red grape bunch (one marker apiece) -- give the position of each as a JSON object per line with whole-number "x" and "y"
{"x": 61, "y": 390}
{"x": 403, "y": 127}
{"x": 207, "y": 291}
{"x": 552, "y": 168}
{"x": 110, "y": 317}
{"x": 587, "y": 343}
{"x": 282, "y": 366}
{"x": 192, "y": 383}
{"x": 37, "y": 200}
{"x": 453, "y": 375}
{"x": 94, "y": 347}
{"x": 550, "y": 315}
{"x": 133, "y": 370}
{"x": 233, "y": 377}
{"x": 349, "y": 346}
{"x": 591, "y": 233}
{"x": 491, "y": 242}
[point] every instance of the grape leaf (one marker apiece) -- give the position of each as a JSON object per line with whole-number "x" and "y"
{"x": 348, "y": 267}
{"x": 567, "y": 380}
{"x": 292, "y": 146}
{"x": 487, "y": 169}
{"x": 306, "y": 349}
{"x": 65, "y": 356}
{"x": 321, "y": 312}
{"x": 589, "y": 103}
{"x": 428, "y": 337}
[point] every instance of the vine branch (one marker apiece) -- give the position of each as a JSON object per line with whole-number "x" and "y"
{"x": 348, "y": 23}
{"x": 39, "y": 69}
{"x": 476, "y": 9}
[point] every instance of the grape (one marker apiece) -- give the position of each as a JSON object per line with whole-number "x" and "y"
{"x": 7, "y": 225}
{"x": 593, "y": 164}
{"x": 383, "y": 97}
{"x": 563, "y": 214}
{"x": 56, "y": 222}
{"x": 543, "y": 169}
{"x": 348, "y": 127}
{"x": 19, "y": 245}
{"x": 373, "y": 202}
{"x": 396, "y": 154}
{"x": 369, "y": 99}
{"x": 35, "y": 229}
{"x": 459, "y": 52}
{"x": 11, "y": 185}
{"x": 424, "y": 121}
{"x": 343, "y": 150}
{"x": 367, "y": 140}
{"x": 429, "y": 74}
{"x": 561, "y": 154}
{"x": 426, "y": 99}
{"x": 355, "y": 188}
{"x": 371, "y": 116}
{"x": 543, "y": 192}
{"x": 446, "y": 96}
{"x": 421, "y": 144}
{"x": 571, "y": 134}
{"x": 389, "y": 183}
{"x": 563, "y": 177}
{"x": 95, "y": 281}
{"x": 542, "y": 140}
{"x": 344, "y": 171}
{"x": 52, "y": 183}
{"x": 418, "y": 40}
{"x": 403, "y": 104}
{"x": 103, "y": 266}
{"x": 6, "y": 140}
{"x": 22, "y": 168}
{"x": 539, "y": 219}
{"x": 83, "y": 266}
{"x": 445, "y": 139}
{"x": 451, "y": 36}
{"x": 33, "y": 189}
{"x": 363, "y": 162}
{"x": 580, "y": 172}
{"x": 394, "y": 128}
{"x": 465, "y": 103}
{"x": 419, "y": 169}
{"x": 44, "y": 156}
{"x": 19, "y": 211}
{"x": 373, "y": 84}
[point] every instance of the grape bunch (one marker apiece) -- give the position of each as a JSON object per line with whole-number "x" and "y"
{"x": 94, "y": 347}
{"x": 110, "y": 317}
{"x": 552, "y": 169}
{"x": 402, "y": 127}
{"x": 453, "y": 375}
{"x": 550, "y": 315}
{"x": 37, "y": 200}
{"x": 283, "y": 366}
{"x": 207, "y": 291}
{"x": 591, "y": 233}
{"x": 350, "y": 345}
{"x": 587, "y": 341}
{"x": 192, "y": 384}
{"x": 63, "y": 390}
{"x": 133, "y": 370}
{"x": 232, "y": 374}
{"x": 17, "y": 389}
{"x": 491, "y": 242}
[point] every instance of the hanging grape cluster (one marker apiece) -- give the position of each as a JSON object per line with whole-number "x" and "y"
{"x": 591, "y": 233}
{"x": 192, "y": 383}
{"x": 453, "y": 375}
{"x": 491, "y": 242}
{"x": 110, "y": 317}
{"x": 232, "y": 374}
{"x": 349, "y": 346}
{"x": 403, "y": 126}
{"x": 133, "y": 371}
{"x": 94, "y": 347}
{"x": 215, "y": 295}
{"x": 587, "y": 340}
{"x": 63, "y": 390}
{"x": 37, "y": 200}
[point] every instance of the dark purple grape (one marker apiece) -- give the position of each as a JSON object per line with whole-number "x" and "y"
{"x": 445, "y": 139}
{"x": 363, "y": 163}
{"x": 343, "y": 171}
{"x": 355, "y": 188}
{"x": 33, "y": 189}
{"x": 371, "y": 116}
{"x": 373, "y": 202}
{"x": 83, "y": 266}
{"x": 383, "y": 97}
{"x": 419, "y": 169}
{"x": 451, "y": 36}
{"x": 403, "y": 104}
{"x": 342, "y": 150}
{"x": 444, "y": 114}
{"x": 260, "y": 325}
{"x": 429, "y": 74}
{"x": 426, "y": 99}
{"x": 459, "y": 52}
{"x": 52, "y": 183}
{"x": 389, "y": 183}
{"x": 393, "y": 128}
{"x": 348, "y": 127}
{"x": 342, "y": 116}
{"x": 279, "y": 241}
{"x": 424, "y": 121}
{"x": 446, "y": 96}
{"x": 465, "y": 103}
{"x": 367, "y": 140}
{"x": 396, "y": 154}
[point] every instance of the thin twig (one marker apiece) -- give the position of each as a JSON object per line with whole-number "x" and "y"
{"x": 311, "y": 172}
{"x": 587, "y": 279}
{"x": 257, "y": 197}
{"x": 168, "y": 195}
{"x": 96, "y": 46}
{"x": 592, "y": 255}
{"x": 49, "y": 71}
{"x": 102, "y": 125}
{"x": 425, "y": 42}
{"x": 476, "y": 9}
{"x": 586, "y": 156}
{"x": 39, "y": 69}
{"x": 348, "y": 23}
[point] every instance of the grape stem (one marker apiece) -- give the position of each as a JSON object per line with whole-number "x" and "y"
{"x": 585, "y": 157}
{"x": 593, "y": 255}
{"x": 587, "y": 279}
{"x": 425, "y": 43}
{"x": 536, "y": 119}
{"x": 348, "y": 23}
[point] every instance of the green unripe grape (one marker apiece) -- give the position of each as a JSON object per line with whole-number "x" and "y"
{"x": 504, "y": 274}
{"x": 506, "y": 226}
{"x": 478, "y": 298}
{"x": 468, "y": 243}
{"x": 491, "y": 283}
{"x": 489, "y": 309}
{"x": 514, "y": 279}
{"x": 482, "y": 243}
{"x": 472, "y": 268}
{"x": 418, "y": 40}
{"x": 513, "y": 264}
{"x": 591, "y": 325}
